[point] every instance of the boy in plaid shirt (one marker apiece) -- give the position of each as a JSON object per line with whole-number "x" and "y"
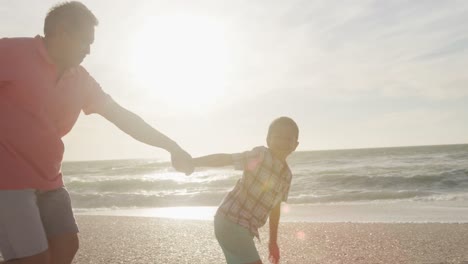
{"x": 257, "y": 195}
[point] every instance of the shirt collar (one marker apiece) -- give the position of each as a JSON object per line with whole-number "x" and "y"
{"x": 42, "y": 49}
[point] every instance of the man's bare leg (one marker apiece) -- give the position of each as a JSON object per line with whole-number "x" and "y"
{"x": 63, "y": 248}
{"x": 41, "y": 258}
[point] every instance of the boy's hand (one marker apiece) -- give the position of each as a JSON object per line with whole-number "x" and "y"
{"x": 274, "y": 253}
{"x": 182, "y": 161}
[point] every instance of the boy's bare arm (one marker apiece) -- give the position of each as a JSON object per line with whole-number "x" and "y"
{"x": 273, "y": 243}
{"x": 215, "y": 160}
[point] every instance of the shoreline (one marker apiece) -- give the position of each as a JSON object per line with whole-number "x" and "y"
{"x": 315, "y": 213}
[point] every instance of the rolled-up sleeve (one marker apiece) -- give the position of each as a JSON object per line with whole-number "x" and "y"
{"x": 248, "y": 160}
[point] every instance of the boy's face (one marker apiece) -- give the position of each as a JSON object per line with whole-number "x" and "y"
{"x": 282, "y": 141}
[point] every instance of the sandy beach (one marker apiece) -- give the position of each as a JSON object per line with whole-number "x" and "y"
{"x": 120, "y": 239}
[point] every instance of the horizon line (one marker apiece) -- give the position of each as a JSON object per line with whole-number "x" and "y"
{"x": 314, "y": 150}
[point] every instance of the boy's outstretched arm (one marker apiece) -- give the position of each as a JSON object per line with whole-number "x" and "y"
{"x": 273, "y": 243}
{"x": 215, "y": 160}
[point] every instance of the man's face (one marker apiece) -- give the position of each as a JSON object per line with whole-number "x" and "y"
{"x": 282, "y": 141}
{"x": 76, "y": 45}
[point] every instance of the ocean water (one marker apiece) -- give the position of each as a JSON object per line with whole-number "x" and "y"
{"x": 419, "y": 175}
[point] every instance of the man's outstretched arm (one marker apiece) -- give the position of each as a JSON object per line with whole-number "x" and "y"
{"x": 137, "y": 128}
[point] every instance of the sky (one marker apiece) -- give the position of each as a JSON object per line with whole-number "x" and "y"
{"x": 212, "y": 75}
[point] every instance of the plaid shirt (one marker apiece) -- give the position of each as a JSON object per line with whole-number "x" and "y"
{"x": 264, "y": 183}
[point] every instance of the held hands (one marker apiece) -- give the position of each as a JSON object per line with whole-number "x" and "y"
{"x": 274, "y": 253}
{"x": 182, "y": 161}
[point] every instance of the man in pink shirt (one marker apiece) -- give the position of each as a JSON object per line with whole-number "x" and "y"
{"x": 43, "y": 89}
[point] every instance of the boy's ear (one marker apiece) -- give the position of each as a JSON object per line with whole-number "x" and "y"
{"x": 295, "y": 147}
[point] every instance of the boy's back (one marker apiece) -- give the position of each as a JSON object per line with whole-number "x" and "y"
{"x": 265, "y": 183}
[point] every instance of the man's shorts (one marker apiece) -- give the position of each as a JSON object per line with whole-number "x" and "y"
{"x": 236, "y": 241}
{"x": 28, "y": 217}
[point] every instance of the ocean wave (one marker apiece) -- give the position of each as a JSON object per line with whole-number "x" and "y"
{"x": 114, "y": 167}
{"x": 214, "y": 198}
{"x": 356, "y": 196}
{"x": 410, "y": 174}
{"x": 139, "y": 184}
{"x": 107, "y": 200}
{"x": 446, "y": 180}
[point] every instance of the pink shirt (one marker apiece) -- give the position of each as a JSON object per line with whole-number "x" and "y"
{"x": 36, "y": 111}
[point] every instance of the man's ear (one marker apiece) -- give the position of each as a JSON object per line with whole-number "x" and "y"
{"x": 60, "y": 30}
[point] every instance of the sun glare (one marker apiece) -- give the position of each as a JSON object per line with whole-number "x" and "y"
{"x": 182, "y": 60}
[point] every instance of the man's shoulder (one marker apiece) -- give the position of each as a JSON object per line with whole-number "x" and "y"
{"x": 17, "y": 39}
{"x": 17, "y": 55}
{"x": 17, "y": 42}
{"x": 17, "y": 49}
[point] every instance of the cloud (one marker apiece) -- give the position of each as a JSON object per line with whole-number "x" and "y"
{"x": 401, "y": 48}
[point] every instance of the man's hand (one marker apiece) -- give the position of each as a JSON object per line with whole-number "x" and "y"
{"x": 274, "y": 253}
{"x": 182, "y": 161}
